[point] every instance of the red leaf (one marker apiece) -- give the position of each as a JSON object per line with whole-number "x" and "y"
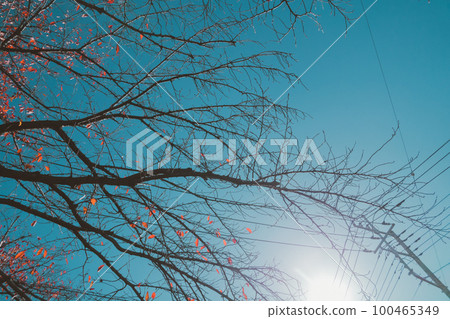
{"x": 230, "y": 261}
{"x": 249, "y": 230}
{"x": 100, "y": 268}
{"x": 153, "y": 295}
{"x": 20, "y": 254}
{"x": 146, "y": 296}
{"x": 196, "y": 242}
{"x": 33, "y": 223}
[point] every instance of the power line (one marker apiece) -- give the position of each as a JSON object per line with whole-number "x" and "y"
{"x": 409, "y": 253}
{"x": 395, "y": 113}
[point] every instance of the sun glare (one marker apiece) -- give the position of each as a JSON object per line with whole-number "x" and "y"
{"x": 326, "y": 287}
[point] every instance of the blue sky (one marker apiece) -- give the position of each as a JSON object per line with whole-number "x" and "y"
{"x": 347, "y": 99}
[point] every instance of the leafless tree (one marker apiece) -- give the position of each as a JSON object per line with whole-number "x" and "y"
{"x": 80, "y": 77}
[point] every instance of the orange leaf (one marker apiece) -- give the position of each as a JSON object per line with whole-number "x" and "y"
{"x": 196, "y": 242}
{"x": 153, "y": 295}
{"x": 151, "y": 236}
{"x": 100, "y": 268}
{"x": 145, "y": 224}
{"x": 47, "y": 168}
{"x": 45, "y": 253}
{"x": 249, "y": 230}
{"x": 224, "y": 242}
{"x": 141, "y": 36}
{"x": 39, "y": 251}
{"x": 19, "y": 255}
{"x": 117, "y": 49}
{"x": 93, "y": 201}
{"x": 146, "y": 296}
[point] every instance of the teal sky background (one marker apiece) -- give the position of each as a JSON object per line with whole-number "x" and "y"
{"x": 347, "y": 99}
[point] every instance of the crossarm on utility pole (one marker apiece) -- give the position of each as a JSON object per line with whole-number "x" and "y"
{"x": 434, "y": 280}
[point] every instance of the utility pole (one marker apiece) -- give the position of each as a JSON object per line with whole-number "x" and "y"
{"x": 408, "y": 253}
